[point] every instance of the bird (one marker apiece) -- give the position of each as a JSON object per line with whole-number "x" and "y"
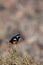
{"x": 15, "y": 39}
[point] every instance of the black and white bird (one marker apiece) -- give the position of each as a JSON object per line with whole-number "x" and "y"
{"x": 15, "y": 39}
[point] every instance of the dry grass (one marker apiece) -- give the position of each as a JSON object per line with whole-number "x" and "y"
{"x": 14, "y": 58}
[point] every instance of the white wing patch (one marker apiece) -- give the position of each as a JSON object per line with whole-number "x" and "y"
{"x": 15, "y": 39}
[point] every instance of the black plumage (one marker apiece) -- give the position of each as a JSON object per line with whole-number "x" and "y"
{"x": 15, "y": 39}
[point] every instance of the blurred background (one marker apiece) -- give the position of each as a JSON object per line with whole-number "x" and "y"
{"x": 24, "y": 17}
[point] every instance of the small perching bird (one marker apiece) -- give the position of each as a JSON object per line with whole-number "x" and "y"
{"x": 15, "y": 39}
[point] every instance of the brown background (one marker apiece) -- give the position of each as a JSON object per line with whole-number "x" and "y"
{"x": 24, "y": 17}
